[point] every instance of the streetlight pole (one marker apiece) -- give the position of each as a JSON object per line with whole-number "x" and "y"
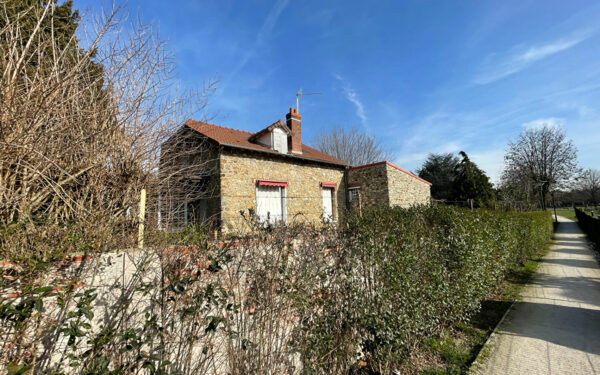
{"x": 542, "y": 200}
{"x": 554, "y": 206}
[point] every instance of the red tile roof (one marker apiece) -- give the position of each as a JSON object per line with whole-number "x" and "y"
{"x": 238, "y": 138}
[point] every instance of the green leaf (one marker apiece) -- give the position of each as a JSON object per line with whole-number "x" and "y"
{"x": 17, "y": 369}
{"x": 39, "y": 304}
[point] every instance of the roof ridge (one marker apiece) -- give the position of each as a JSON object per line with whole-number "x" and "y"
{"x": 240, "y": 138}
{"x": 218, "y": 126}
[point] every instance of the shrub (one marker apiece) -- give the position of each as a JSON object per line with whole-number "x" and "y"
{"x": 406, "y": 273}
{"x": 285, "y": 300}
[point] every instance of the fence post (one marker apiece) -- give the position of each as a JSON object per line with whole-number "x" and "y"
{"x": 141, "y": 218}
{"x": 359, "y": 204}
{"x": 471, "y": 203}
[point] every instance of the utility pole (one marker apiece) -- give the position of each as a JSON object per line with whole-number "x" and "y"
{"x": 542, "y": 200}
{"x": 554, "y": 206}
{"x": 141, "y": 218}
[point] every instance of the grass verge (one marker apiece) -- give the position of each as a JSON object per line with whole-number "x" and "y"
{"x": 567, "y": 212}
{"x": 455, "y": 348}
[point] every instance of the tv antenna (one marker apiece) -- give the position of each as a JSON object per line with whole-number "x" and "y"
{"x": 299, "y": 96}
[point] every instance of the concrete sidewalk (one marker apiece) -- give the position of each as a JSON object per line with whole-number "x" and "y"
{"x": 555, "y": 328}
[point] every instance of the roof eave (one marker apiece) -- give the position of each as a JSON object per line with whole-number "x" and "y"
{"x": 285, "y": 155}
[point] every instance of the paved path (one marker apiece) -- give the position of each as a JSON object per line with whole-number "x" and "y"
{"x": 555, "y": 328}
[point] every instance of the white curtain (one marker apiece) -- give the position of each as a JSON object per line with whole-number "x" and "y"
{"x": 327, "y": 195}
{"x": 269, "y": 204}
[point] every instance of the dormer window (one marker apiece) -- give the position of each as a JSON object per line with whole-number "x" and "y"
{"x": 279, "y": 140}
{"x": 274, "y": 137}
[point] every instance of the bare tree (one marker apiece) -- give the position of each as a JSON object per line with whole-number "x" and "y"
{"x": 351, "y": 145}
{"x": 589, "y": 183}
{"x": 85, "y": 104}
{"x": 540, "y": 159}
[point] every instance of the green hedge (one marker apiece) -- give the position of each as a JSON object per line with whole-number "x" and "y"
{"x": 361, "y": 295}
{"x": 412, "y": 272}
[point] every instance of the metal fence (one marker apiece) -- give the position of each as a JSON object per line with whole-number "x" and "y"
{"x": 521, "y": 206}
{"x": 589, "y": 224}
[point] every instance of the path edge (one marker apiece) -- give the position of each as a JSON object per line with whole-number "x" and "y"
{"x": 483, "y": 352}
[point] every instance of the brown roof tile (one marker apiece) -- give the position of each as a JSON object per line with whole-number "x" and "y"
{"x": 239, "y": 138}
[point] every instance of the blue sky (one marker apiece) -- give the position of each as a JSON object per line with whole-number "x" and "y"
{"x": 422, "y": 76}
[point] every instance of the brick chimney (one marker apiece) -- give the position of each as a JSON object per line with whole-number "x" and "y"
{"x": 293, "y": 121}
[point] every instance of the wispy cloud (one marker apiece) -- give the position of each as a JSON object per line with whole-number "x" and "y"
{"x": 541, "y": 122}
{"x": 269, "y": 23}
{"x": 264, "y": 32}
{"x": 352, "y": 97}
{"x": 524, "y": 57}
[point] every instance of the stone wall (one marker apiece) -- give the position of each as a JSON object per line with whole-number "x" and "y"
{"x": 406, "y": 190}
{"x": 241, "y": 169}
{"x": 372, "y": 181}
{"x": 385, "y": 184}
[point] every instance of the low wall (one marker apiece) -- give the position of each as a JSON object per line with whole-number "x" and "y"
{"x": 589, "y": 224}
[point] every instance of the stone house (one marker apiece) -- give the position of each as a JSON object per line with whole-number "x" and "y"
{"x": 214, "y": 173}
{"x": 384, "y": 183}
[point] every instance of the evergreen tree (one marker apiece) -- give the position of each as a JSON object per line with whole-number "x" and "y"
{"x": 439, "y": 169}
{"x": 57, "y": 34}
{"x": 52, "y": 94}
{"x": 471, "y": 182}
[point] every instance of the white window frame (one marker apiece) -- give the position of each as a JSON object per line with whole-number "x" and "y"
{"x": 283, "y": 193}
{"x": 279, "y": 133}
{"x": 333, "y": 218}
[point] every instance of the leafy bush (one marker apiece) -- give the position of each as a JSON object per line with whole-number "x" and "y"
{"x": 285, "y": 300}
{"x": 406, "y": 273}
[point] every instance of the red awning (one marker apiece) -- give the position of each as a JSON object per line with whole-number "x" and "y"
{"x": 272, "y": 183}
{"x": 332, "y": 185}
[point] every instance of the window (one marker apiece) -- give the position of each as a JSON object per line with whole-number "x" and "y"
{"x": 327, "y": 198}
{"x": 354, "y": 197}
{"x": 280, "y": 141}
{"x": 271, "y": 205}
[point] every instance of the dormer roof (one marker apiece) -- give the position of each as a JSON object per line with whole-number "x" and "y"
{"x": 277, "y": 124}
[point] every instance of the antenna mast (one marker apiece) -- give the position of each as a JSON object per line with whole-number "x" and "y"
{"x": 299, "y": 96}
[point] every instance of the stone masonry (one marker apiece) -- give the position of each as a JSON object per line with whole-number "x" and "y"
{"x": 405, "y": 190}
{"x": 222, "y": 167}
{"x": 241, "y": 169}
{"x": 372, "y": 181}
{"x": 386, "y": 184}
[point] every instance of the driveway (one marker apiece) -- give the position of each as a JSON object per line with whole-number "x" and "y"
{"x": 555, "y": 327}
